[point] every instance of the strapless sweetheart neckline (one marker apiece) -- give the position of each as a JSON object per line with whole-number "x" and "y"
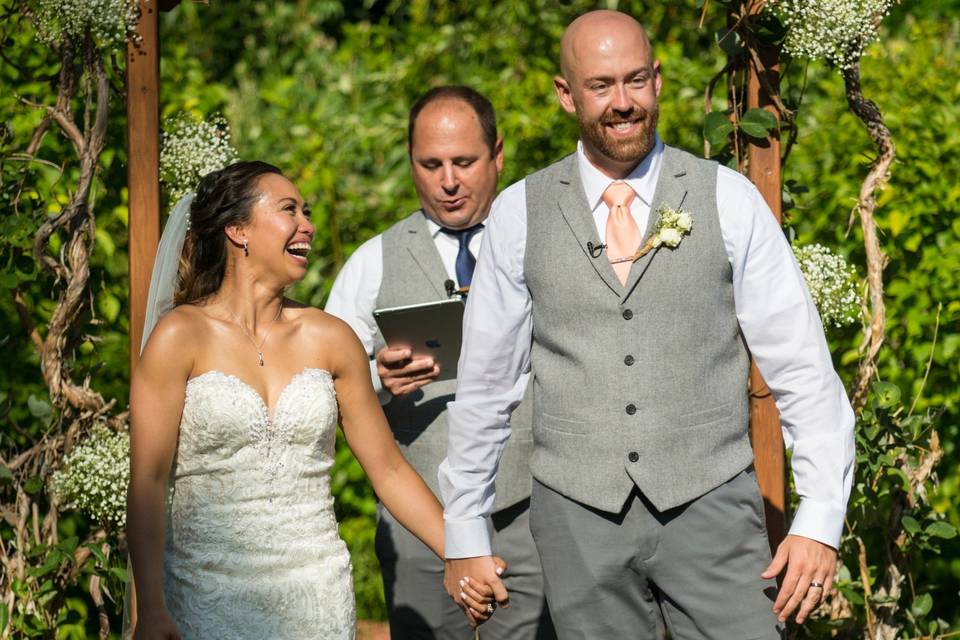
{"x": 269, "y": 412}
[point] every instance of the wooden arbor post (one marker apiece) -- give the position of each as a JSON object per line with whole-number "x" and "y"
{"x": 764, "y": 171}
{"x": 143, "y": 164}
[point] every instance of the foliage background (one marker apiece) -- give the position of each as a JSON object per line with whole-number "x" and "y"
{"x": 322, "y": 88}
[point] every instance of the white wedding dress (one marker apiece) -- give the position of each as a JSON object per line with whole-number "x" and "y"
{"x": 252, "y": 549}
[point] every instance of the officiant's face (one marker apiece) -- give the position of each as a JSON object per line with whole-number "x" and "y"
{"x": 612, "y": 84}
{"x": 454, "y": 170}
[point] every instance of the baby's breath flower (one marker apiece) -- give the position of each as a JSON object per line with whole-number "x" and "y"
{"x": 191, "y": 149}
{"x": 94, "y": 476}
{"x": 109, "y": 22}
{"x": 837, "y": 31}
{"x": 832, "y": 284}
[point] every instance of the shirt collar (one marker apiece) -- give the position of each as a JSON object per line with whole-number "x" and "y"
{"x": 643, "y": 178}
{"x": 432, "y": 225}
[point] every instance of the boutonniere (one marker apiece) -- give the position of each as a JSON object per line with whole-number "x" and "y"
{"x": 672, "y": 225}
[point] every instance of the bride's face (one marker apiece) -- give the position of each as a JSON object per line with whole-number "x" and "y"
{"x": 280, "y": 233}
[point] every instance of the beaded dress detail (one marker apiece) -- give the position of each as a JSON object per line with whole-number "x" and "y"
{"x": 252, "y": 547}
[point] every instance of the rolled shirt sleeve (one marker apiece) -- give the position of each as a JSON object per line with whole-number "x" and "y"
{"x": 783, "y": 331}
{"x": 491, "y": 378}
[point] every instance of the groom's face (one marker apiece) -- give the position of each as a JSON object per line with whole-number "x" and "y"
{"x": 454, "y": 170}
{"x": 612, "y": 84}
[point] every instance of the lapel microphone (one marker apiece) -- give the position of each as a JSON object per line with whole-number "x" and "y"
{"x": 450, "y": 286}
{"x": 595, "y": 249}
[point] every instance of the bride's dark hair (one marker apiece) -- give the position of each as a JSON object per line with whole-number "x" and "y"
{"x": 223, "y": 198}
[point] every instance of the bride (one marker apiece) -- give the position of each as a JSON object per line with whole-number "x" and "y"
{"x": 234, "y": 407}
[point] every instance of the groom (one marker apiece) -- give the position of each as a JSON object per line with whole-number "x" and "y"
{"x": 645, "y": 508}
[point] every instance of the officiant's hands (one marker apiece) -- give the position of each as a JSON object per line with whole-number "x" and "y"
{"x": 475, "y": 585}
{"x": 401, "y": 373}
{"x": 810, "y": 567}
{"x": 155, "y": 625}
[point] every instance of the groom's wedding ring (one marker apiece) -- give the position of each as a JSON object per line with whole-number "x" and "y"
{"x": 490, "y": 608}
{"x": 816, "y": 585}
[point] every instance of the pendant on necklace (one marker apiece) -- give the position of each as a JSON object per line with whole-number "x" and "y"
{"x": 260, "y": 357}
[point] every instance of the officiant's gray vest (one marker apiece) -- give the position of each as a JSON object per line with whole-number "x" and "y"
{"x": 413, "y": 273}
{"x": 640, "y": 385}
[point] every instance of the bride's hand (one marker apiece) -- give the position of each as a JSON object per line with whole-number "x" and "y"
{"x": 477, "y": 599}
{"x": 157, "y": 625}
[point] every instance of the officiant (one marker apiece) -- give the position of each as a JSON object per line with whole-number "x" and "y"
{"x": 456, "y": 157}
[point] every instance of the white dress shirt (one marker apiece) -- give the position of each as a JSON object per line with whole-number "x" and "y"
{"x": 777, "y": 317}
{"x": 354, "y": 294}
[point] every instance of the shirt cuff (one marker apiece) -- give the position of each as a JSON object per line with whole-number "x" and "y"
{"x": 818, "y": 521}
{"x": 466, "y": 539}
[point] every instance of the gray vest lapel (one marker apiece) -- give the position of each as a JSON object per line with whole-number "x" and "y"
{"x": 419, "y": 243}
{"x": 671, "y": 190}
{"x": 572, "y": 201}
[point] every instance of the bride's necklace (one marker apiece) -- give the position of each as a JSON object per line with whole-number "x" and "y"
{"x": 258, "y": 347}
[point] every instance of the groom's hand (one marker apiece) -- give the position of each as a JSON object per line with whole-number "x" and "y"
{"x": 401, "y": 373}
{"x": 810, "y": 567}
{"x": 481, "y": 569}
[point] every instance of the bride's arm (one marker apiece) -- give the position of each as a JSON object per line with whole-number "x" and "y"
{"x": 156, "y": 403}
{"x": 402, "y": 491}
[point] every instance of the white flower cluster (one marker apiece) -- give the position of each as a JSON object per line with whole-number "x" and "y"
{"x": 190, "y": 149}
{"x": 94, "y": 476}
{"x": 837, "y": 31}
{"x": 832, "y": 283}
{"x": 110, "y": 22}
{"x": 672, "y": 225}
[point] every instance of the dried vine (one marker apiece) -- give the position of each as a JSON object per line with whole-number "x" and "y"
{"x": 25, "y": 589}
{"x": 876, "y": 179}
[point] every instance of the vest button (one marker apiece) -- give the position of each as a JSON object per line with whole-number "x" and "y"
{"x": 631, "y": 409}
{"x": 627, "y": 314}
{"x": 633, "y": 456}
{"x": 628, "y": 361}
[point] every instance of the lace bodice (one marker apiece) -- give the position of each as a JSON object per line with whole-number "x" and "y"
{"x": 252, "y": 549}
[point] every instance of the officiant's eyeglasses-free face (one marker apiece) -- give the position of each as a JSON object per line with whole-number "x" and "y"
{"x": 454, "y": 171}
{"x": 279, "y": 235}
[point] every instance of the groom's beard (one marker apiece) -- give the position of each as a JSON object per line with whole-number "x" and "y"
{"x": 632, "y": 149}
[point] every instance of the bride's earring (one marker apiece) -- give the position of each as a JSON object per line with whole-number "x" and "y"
{"x": 246, "y": 248}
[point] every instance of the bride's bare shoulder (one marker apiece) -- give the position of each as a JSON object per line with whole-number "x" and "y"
{"x": 320, "y": 325}
{"x": 179, "y": 330}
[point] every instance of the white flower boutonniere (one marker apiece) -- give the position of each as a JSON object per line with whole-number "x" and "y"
{"x": 672, "y": 224}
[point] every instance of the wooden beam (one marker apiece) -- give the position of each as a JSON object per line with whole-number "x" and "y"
{"x": 768, "y": 451}
{"x": 143, "y": 165}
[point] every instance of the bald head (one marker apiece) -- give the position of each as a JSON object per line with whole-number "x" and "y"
{"x": 600, "y": 34}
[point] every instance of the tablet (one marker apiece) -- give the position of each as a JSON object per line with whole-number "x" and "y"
{"x": 429, "y": 329}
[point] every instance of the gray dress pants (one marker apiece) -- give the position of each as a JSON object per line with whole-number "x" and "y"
{"x": 693, "y": 570}
{"x": 419, "y": 607}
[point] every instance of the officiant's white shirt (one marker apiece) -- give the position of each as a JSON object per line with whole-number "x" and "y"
{"x": 354, "y": 294}
{"x": 777, "y": 317}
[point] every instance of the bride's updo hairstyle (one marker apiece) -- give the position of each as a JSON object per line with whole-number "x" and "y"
{"x": 223, "y": 198}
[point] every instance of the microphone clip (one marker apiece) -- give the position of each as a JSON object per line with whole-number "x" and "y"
{"x": 595, "y": 249}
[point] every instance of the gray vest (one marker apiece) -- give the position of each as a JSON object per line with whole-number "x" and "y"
{"x": 640, "y": 385}
{"x": 412, "y": 273}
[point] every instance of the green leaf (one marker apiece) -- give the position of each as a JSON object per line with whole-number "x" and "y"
{"x": 886, "y": 393}
{"x": 97, "y": 552}
{"x": 910, "y": 524}
{"x": 921, "y": 605}
{"x": 760, "y": 117}
{"x": 4, "y": 615}
{"x": 716, "y": 128}
{"x": 39, "y": 408}
{"x": 119, "y": 572}
{"x": 942, "y": 529}
{"x": 5, "y": 475}
{"x": 33, "y": 485}
{"x": 729, "y": 40}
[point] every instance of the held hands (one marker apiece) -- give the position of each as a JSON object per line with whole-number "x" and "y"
{"x": 810, "y": 567}
{"x": 475, "y": 585}
{"x": 401, "y": 373}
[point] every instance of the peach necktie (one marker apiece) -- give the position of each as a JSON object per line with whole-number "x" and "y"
{"x": 623, "y": 235}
